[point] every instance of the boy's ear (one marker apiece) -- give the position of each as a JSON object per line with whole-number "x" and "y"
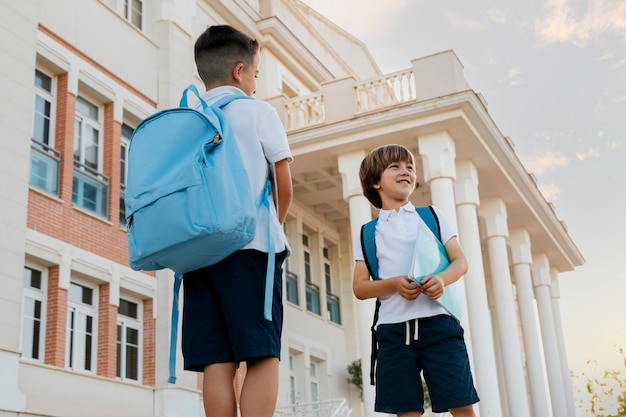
{"x": 376, "y": 186}
{"x": 237, "y": 70}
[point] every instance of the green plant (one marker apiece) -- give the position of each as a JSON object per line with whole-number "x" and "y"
{"x": 356, "y": 374}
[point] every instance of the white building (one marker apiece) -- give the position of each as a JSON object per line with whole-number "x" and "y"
{"x": 81, "y": 334}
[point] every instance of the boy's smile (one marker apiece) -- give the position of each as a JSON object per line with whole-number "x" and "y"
{"x": 397, "y": 183}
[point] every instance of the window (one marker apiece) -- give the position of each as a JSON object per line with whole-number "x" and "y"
{"x": 332, "y": 300}
{"x": 33, "y": 314}
{"x": 42, "y": 123}
{"x": 314, "y": 389}
{"x": 127, "y": 132}
{"x": 307, "y": 266}
{"x": 128, "y": 340}
{"x": 133, "y": 12}
{"x": 293, "y": 390}
{"x": 81, "y": 322}
{"x": 44, "y": 160}
{"x": 87, "y": 129}
{"x": 89, "y": 187}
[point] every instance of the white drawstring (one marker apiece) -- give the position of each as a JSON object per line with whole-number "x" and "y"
{"x": 407, "y": 340}
{"x": 407, "y": 337}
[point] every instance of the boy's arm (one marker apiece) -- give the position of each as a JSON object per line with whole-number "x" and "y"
{"x": 433, "y": 285}
{"x": 284, "y": 186}
{"x": 363, "y": 287}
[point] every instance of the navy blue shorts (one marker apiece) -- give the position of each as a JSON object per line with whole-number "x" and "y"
{"x": 439, "y": 352}
{"x": 223, "y": 308}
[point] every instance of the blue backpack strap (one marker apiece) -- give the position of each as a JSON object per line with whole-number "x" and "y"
{"x": 368, "y": 244}
{"x": 178, "y": 279}
{"x": 427, "y": 213}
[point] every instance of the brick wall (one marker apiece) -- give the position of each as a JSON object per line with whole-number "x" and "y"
{"x": 56, "y": 320}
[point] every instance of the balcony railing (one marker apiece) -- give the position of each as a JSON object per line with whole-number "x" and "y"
{"x": 326, "y": 408}
{"x": 333, "y": 308}
{"x": 90, "y": 190}
{"x": 313, "y": 298}
{"x": 385, "y": 91}
{"x": 367, "y": 96}
{"x": 292, "y": 287}
{"x": 44, "y": 167}
{"x": 305, "y": 111}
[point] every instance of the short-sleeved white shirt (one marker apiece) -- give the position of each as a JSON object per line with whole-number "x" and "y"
{"x": 261, "y": 138}
{"x": 396, "y": 234}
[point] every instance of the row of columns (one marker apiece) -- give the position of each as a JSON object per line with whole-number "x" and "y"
{"x": 518, "y": 372}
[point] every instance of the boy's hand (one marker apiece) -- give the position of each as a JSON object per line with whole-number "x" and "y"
{"x": 432, "y": 286}
{"x": 407, "y": 287}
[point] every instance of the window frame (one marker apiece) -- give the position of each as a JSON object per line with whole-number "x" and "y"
{"x": 97, "y": 124}
{"x": 49, "y": 97}
{"x": 129, "y": 9}
{"x": 124, "y": 148}
{"x": 134, "y": 323}
{"x": 39, "y": 295}
{"x": 73, "y": 307}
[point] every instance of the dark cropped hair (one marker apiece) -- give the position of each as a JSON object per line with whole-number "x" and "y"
{"x": 219, "y": 49}
{"x": 375, "y": 163}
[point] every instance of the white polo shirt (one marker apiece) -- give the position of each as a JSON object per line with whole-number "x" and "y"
{"x": 261, "y": 138}
{"x": 396, "y": 234}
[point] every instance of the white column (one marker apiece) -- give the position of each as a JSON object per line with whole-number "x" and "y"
{"x": 541, "y": 280}
{"x": 521, "y": 259}
{"x": 558, "y": 324}
{"x": 360, "y": 213}
{"x": 485, "y": 371}
{"x": 438, "y": 154}
{"x": 494, "y": 213}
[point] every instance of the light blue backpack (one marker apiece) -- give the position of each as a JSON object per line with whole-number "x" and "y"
{"x": 188, "y": 198}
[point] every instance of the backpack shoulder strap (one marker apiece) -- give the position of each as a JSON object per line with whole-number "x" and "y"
{"x": 427, "y": 213}
{"x": 368, "y": 244}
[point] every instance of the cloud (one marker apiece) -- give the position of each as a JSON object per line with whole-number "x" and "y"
{"x": 464, "y": 22}
{"x": 589, "y": 153}
{"x": 550, "y": 192}
{"x": 513, "y": 76}
{"x": 372, "y": 14}
{"x": 561, "y": 23}
{"x": 497, "y": 16}
{"x": 544, "y": 161}
{"x": 615, "y": 144}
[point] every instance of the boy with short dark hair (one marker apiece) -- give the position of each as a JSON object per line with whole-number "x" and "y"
{"x": 223, "y": 310}
{"x": 414, "y": 332}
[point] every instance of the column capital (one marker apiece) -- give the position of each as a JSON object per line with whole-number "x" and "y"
{"x": 348, "y": 165}
{"x": 493, "y": 211}
{"x": 438, "y": 154}
{"x": 466, "y": 184}
{"x": 519, "y": 242}
{"x": 541, "y": 270}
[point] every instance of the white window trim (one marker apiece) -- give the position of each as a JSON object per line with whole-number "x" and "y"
{"x": 49, "y": 96}
{"x": 97, "y": 125}
{"x": 137, "y": 324}
{"x": 81, "y": 308}
{"x": 39, "y": 295}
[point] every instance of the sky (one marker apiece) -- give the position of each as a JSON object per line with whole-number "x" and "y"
{"x": 554, "y": 75}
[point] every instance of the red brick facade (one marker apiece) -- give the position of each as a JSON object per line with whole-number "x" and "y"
{"x": 58, "y": 218}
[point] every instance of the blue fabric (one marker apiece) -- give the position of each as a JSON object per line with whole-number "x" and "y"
{"x": 188, "y": 198}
